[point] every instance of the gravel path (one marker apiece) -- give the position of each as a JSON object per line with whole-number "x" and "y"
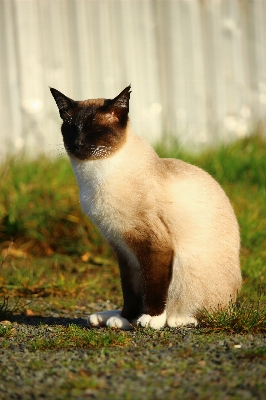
{"x": 168, "y": 364}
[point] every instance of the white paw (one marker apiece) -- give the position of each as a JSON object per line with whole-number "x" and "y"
{"x": 99, "y": 319}
{"x": 174, "y": 322}
{"x": 119, "y": 322}
{"x": 144, "y": 320}
{"x": 156, "y": 322}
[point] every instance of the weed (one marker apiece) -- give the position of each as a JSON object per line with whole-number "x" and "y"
{"x": 6, "y": 310}
{"x": 6, "y": 331}
{"x": 241, "y": 317}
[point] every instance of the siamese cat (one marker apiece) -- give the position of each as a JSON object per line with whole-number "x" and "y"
{"x": 170, "y": 223}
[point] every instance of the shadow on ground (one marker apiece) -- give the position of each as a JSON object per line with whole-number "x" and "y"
{"x": 38, "y": 319}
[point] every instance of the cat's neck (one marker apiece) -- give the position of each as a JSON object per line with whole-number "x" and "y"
{"x": 134, "y": 152}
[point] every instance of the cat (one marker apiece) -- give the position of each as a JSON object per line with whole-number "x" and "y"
{"x": 170, "y": 223}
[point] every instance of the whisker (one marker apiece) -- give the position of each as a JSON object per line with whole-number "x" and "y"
{"x": 57, "y": 152}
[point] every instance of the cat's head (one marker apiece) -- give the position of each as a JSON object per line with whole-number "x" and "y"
{"x": 93, "y": 129}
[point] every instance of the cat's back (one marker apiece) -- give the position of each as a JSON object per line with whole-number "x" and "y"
{"x": 198, "y": 205}
{"x": 191, "y": 181}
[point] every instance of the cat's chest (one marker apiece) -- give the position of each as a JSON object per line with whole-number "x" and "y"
{"x": 96, "y": 202}
{"x": 106, "y": 211}
{"x": 98, "y": 183}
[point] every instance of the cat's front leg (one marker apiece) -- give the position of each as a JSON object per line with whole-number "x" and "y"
{"x": 132, "y": 289}
{"x": 155, "y": 322}
{"x": 100, "y": 319}
{"x": 111, "y": 318}
{"x": 132, "y": 294}
{"x": 156, "y": 267}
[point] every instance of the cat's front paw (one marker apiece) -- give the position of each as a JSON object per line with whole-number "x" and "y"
{"x": 156, "y": 322}
{"x": 181, "y": 320}
{"x": 100, "y": 319}
{"x": 119, "y": 322}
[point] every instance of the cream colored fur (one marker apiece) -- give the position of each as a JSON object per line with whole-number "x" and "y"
{"x": 202, "y": 224}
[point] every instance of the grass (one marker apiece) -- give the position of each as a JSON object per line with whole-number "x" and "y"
{"x": 74, "y": 336}
{"x": 6, "y": 331}
{"x": 40, "y": 213}
{"x": 6, "y": 309}
{"x": 259, "y": 352}
{"x": 49, "y": 248}
{"x": 247, "y": 316}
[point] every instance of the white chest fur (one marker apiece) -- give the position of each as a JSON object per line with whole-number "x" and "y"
{"x": 102, "y": 184}
{"x": 93, "y": 177}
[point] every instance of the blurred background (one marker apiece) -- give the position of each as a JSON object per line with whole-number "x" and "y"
{"x": 197, "y": 68}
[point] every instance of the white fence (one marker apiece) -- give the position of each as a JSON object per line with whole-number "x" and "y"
{"x": 197, "y": 68}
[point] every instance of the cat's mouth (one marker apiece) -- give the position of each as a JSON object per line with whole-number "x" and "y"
{"x": 91, "y": 152}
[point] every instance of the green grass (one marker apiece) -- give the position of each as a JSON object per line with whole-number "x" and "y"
{"x": 247, "y": 316}
{"x": 40, "y": 213}
{"x": 74, "y": 336}
{"x": 49, "y": 248}
{"x": 6, "y": 331}
{"x": 259, "y": 352}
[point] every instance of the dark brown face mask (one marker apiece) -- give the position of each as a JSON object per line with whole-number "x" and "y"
{"x": 93, "y": 129}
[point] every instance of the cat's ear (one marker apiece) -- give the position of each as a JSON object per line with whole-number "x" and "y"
{"x": 65, "y": 104}
{"x": 119, "y": 106}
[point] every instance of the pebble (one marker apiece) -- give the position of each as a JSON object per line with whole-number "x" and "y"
{"x": 6, "y": 323}
{"x": 172, "y": 363}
